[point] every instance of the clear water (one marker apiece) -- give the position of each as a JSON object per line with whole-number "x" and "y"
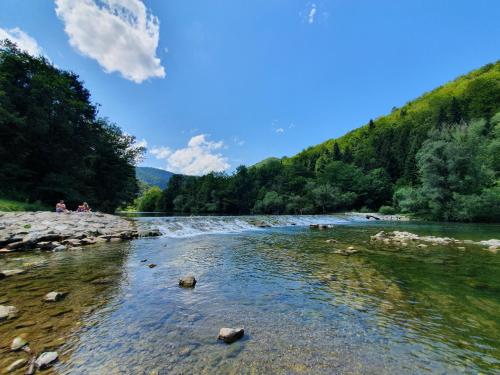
{"x": 304, "y": 309}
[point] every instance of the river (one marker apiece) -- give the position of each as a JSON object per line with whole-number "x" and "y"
{"x": 305, "y": 309}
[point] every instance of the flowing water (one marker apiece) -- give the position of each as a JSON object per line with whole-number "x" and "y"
{"x": 304, "y": 308}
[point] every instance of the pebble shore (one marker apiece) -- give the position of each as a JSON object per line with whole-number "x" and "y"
{"x": 21, "y": 231}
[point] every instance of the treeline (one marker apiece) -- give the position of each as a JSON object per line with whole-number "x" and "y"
{"x": 436, "y": 156}
{"x": 53, "y": 144}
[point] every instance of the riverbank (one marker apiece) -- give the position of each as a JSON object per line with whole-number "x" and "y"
{"x": 20, "y": 231}
{"x": 378, "y": 216}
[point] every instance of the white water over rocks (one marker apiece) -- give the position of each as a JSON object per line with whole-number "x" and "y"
{"x": 189, "y": 226}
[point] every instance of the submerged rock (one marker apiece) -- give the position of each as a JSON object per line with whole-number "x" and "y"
{"x": 59, "y": 248}
{"x": 18, "y": 343}
{"x": 230, "y": 335}
{"x": 8, "y": 312}
{"x": 152, "y": 265}
{"x": 46, "y": 360}
{"x": 7, "y": 273}
{"x": 16, "y": 365}
{"x": 54, "y": 296}
{"x": 187, "y": 282}
{"x": 346, "y": 252}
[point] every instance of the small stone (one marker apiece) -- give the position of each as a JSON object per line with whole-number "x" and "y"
{"x": 8, "y": 312}
{"x": 16, "y": 365}
{"x": 59, "y": 248}
{"x": 230, "y": 335}
{"x": 18, "y": 343}
{"x": 187, "y": 282}
{"x": 7, "y": 273}
{"x": 350, "y": 248}
{"x": 54, "y": 296}
{"x": 422, "y": 246}
{"x": 45, "y": 360}
{"x": 152, "y": 265}
{"x": 331, "y": 241}
{"x": 28, "y": 323}
{"x": 461, "y": 248}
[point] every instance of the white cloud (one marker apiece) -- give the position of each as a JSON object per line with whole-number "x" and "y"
{"x": 312, "y": 14}
{"x": 198, "y": 158}
{"x": 161, "y": 152}
{"x": 121, "y": 35}
{"x": 280, "y": 130}
{"x": 23, "y": 40}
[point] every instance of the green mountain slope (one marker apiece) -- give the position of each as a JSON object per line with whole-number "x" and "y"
{"x": 391, "y": 141}
{"x": 153, "y": 176}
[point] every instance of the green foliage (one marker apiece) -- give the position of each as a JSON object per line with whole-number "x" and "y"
{"x": 53, "y": 145}
{"x": 149, "y": 201}
{"x": 457, "y": 175}
{"x": 8, "y": 205}
{"x": 387, "y": 210}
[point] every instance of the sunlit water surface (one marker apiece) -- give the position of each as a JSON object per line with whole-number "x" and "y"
{"x": 304, "y": 309}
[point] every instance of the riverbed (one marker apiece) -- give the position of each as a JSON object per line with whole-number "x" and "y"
{"x": 305, "y": 307}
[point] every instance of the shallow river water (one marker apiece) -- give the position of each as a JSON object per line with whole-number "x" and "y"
{"x": 304, "y": 308}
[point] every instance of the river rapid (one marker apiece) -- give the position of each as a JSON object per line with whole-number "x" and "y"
{"x": 306, "y": 309}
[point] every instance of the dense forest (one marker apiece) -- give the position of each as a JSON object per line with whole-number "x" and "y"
{"x": 437, "y": 156}
{"x": 53, "y": 144}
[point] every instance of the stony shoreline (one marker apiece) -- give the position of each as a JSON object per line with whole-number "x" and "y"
{"x": 377, "y": 216}
{"x": 21, "y": 231}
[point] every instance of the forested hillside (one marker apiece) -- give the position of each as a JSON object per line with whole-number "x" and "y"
{"x": 436, "y": 156}
{"x": 53, "y": 144}
{"x": 153, "y": 176}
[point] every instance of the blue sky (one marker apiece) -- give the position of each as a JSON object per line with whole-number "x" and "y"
{"x": 210, "y": 85}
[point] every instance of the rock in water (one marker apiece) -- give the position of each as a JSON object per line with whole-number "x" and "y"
{"x": 45, "y": 360}
{"x": 18, "y": 343}
{"x": 7, "y": 273}
{"x": 8, "y": 312}
{"x": 16, "y": 365}
{"x": 230, "y": 335}
{"x": 187, "y": 282}
{"x": 152, "y": 265}
{"x": 54, "y": 296}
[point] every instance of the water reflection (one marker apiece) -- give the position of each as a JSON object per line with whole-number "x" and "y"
{"x": 305, "y": 309}
{"x": 90, "y": 277}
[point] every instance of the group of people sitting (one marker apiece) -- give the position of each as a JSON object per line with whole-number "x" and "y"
{"x": 61, "y": 207}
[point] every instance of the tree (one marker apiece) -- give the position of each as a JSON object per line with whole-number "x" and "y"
{"x": 53, "y": 145}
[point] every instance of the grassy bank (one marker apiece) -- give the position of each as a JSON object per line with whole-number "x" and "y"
{"x": 11, "y": 205}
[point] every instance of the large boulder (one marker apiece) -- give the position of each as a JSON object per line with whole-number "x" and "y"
{"x": 230, "y": 335}
{"x": 46, "y": 360}
{"x": 187, "y": 282}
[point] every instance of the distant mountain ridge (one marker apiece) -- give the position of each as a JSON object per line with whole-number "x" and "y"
{"x": 153, "y": 176}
